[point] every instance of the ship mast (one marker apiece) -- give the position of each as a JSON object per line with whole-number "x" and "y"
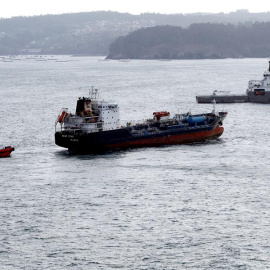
{"x": 214, "y": 106}
{"x": 93, "y": 94}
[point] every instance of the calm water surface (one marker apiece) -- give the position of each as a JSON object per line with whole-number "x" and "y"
{"x": 198, "y": 206}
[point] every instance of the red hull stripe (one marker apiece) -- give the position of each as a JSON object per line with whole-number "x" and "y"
{"x": 171, "y": 139}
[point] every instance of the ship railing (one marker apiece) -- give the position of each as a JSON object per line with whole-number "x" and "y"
{"x": 225, "y": 92}
{"x": 83, "y": 127}
{"x": 174, "y": 129}
{"x": 130, "y": 123}
{"x": 181, "y": 116}
{"x": 255, "y": 82}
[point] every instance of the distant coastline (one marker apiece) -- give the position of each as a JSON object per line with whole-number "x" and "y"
{"x": 198, "y": 41}
{"x": 92, "y": 33}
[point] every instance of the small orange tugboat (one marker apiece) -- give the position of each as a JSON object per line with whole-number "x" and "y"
{"x": 6, "y": 151}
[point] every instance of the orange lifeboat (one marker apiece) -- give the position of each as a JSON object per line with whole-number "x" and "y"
{"x": 62, "y": 116}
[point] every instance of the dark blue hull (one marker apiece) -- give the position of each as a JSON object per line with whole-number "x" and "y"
{"x": 123, "y": 138}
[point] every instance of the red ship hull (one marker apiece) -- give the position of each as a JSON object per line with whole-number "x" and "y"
{"x": 171, "y": 139}
{"x": 5, "y": 152}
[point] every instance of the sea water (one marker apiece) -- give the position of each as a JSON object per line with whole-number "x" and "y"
{"x": 194, "y": 206}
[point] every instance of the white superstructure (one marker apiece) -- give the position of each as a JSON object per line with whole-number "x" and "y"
{"x": 109, "y": 115}
{"x": 263, "y": 84}
{"x": 91, "y": 115}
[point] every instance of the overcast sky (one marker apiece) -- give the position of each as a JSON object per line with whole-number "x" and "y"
{"x": 11, "y": 8}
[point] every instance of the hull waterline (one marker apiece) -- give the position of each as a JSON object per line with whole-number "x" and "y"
{"x": 89, "y": 143}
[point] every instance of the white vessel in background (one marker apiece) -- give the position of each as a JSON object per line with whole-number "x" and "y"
{"x": 259, "y": 90}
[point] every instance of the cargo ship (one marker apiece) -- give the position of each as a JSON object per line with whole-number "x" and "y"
{"x": 258, "y": 91}
{"x": 95, "y": 127}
